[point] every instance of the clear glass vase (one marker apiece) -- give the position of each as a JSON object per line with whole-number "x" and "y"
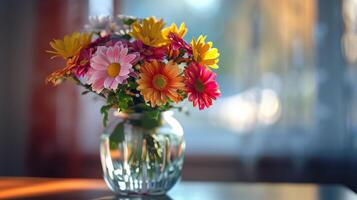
{"x": 138, "y": 160}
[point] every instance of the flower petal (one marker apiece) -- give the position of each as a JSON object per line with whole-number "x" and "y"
{"x": 108, "y": 82}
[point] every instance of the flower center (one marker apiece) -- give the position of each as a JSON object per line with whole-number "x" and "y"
{"x": 113, "y": 69}
{"x": 199, "y": 86}
{"x": 159, "y": 81}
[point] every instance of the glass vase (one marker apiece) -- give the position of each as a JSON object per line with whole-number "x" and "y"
{"x": 141, "y": 158}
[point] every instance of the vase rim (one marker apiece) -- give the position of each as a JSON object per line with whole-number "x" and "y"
{"x": 137, "y": 115}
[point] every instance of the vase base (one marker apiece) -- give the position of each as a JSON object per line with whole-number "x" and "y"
{"x": 140, "y": 194}
{"x": 136, "y": 196}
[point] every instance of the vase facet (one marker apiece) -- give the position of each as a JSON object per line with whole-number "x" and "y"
{"x": 142, "y": 161}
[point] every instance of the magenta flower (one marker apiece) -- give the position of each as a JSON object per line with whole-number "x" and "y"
{"x": 82, "y": 62}
{"x": 110, "y": 66}
{"x": 148, "y": 53}
{"x": 178, "y": 43}
{"x": 201, "y": 85}
{"x": 112, "y": 42}
{"x": 99, "y": 41}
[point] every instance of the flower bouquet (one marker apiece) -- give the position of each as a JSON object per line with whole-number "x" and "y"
{"x": 141, "y": 69}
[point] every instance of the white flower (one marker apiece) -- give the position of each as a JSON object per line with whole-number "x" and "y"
{"x": 98, "y": 24}
{"x": 107, "y": 25}
{"x": 120, "y": 27}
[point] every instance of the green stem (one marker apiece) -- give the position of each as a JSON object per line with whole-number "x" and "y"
{"x": 87, "y": 87}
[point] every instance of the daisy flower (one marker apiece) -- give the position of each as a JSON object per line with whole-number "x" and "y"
{"x": 120, "y": 26}
{"x": 181, "y": 32}
{"x": 70, "y": 45}
{"x": 98, "y": 24}
{"x": 110, "y": 66}
{"x": 81, "y": 61}
{"x": 201, "y": 85}
{"x": 107, "y": 25}
{"x": 203, "y": 52}
{"x": 100, "y": 41}
{"x": 148, "y": 53}
{"x": 160, "y": 82}
{"x": 69, "y": 48}
{"x": 57, "y": 76}
{"x": 149, "y": 32}
{"x": 178, "y": 43}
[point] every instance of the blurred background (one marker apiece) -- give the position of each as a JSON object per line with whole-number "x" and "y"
{"x": 288, "y": 75}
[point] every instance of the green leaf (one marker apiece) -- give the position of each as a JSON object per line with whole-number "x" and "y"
{"x": 165, "y": 107}
{"x": 152, "y": 114}
{"x": 149, "y": 120}
{"x": 182, "y": 52}
{"x": 126, "y": 37}
{"x": 140, "y": 107}
{"x": 117, "y": 136}
{"x": 132, "y": 84}
{"x": 129, "y": 21}
{"x": 111, "y": 98}
{"x": 154, "y": 148}
{"x": 123, "y": 100}
{"x": 105, "y": 112}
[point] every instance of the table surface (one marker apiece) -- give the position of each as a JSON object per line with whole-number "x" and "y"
{"x": 95, "y": 189}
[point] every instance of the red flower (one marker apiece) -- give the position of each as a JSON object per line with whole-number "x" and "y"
{"x": 178, "y": 43}
{"x": 100, "y": 40}
{"x": 148, "y": 53}
{"x": 81, "y": 62}
{"x": 201, "y": 85}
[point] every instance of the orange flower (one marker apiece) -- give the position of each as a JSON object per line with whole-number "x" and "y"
{"x": 160, "y": 82}
{"x": 69, "y": 49}
{"x": 55, "y": 77}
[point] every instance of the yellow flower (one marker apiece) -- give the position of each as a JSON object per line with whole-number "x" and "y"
{"x": 160, "y": 82}
{"x": 178, "y": 31}
{"x": 203, "y": 52}
{"x": 70, "y": 45}
{"x": 149, "y": 32}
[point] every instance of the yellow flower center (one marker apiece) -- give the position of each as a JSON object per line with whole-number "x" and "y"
{"x": 159, "y": 82}
{"x": 199, "y": 86}
{"x": 113, "y": 69}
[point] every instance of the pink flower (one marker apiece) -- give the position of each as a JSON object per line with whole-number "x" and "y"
{"x": 110, "y": 66}
{"x": 148, "y": 53}
{"x": 82, "y": 60}
{"x": 201, "y": 85}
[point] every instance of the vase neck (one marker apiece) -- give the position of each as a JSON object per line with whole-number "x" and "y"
{"x": 137, "y": 115}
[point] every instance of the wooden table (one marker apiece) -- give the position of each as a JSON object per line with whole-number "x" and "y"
{"x": 94, "y": 189}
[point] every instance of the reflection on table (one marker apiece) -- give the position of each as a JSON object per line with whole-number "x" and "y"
{"x": 95, "y": 189}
